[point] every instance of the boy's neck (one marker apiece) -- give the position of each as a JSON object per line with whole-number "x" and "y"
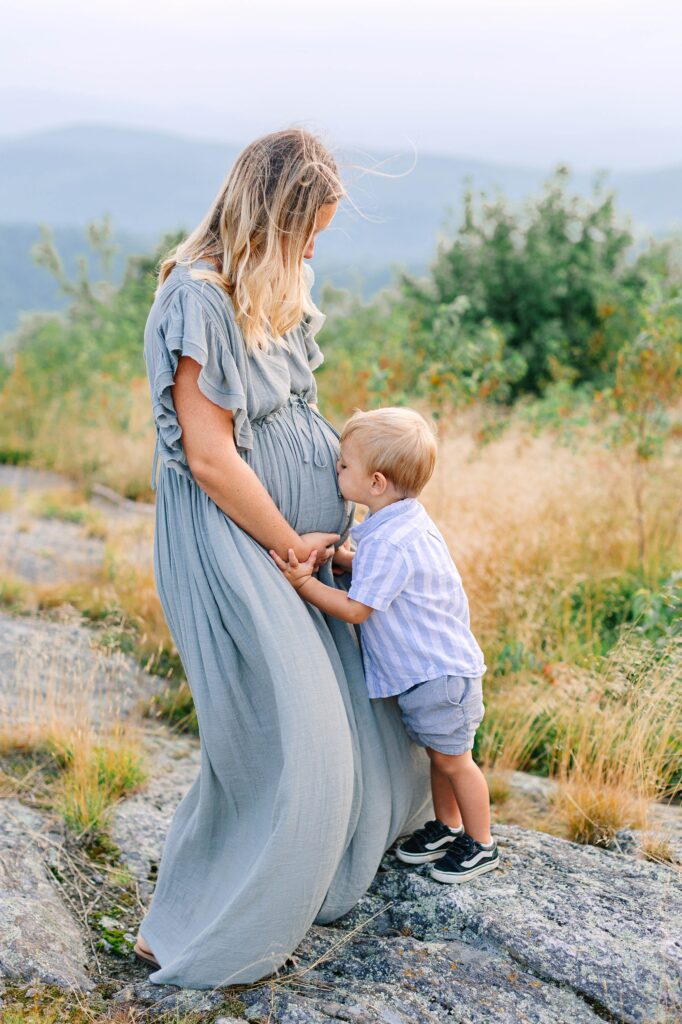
{"x": 376, "y": 504}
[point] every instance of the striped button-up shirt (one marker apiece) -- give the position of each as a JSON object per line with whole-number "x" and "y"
{"x": 420, "y": 626}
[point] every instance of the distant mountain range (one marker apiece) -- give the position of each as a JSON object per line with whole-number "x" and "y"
{"x": 151, "y": 183}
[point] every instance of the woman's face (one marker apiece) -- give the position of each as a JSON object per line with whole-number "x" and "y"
{"x": 322, "y": 221}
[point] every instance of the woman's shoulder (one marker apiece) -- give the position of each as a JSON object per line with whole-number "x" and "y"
{"x": 184, "y": 297}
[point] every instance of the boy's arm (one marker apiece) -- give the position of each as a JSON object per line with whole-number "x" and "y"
{"x": 334, "y": 602}
{"x": 327, "y": 599}
{"x": 343, "y": 557}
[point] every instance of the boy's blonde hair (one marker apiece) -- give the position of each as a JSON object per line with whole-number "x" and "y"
{"x": 397, "y": 442}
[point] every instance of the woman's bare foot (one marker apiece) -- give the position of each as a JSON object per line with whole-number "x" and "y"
{"x": 143, "y": 950}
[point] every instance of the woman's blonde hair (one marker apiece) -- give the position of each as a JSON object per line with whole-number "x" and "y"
{"x": 397, "y": 442}
{"x": 258, "y": 229}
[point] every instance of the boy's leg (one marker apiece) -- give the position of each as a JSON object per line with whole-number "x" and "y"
{"x": 444, "y": 800}
{"x": 469, "y": 788}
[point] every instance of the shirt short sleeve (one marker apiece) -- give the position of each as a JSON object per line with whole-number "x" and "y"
{"x": 379, "y": 574}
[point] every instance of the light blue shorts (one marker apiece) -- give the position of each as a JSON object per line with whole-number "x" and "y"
{"x": 443, "y": 713}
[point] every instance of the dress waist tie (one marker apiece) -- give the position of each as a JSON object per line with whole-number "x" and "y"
{"x": 307, "y": 416}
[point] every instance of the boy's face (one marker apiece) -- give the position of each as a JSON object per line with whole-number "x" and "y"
{"x": 355, "y": 482}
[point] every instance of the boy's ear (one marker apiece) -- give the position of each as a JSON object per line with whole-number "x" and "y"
{"x": 379, "y": 483}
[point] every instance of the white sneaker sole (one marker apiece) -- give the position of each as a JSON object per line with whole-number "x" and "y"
{"x": 420, "y": 858}
{"x": 450, "y": 877}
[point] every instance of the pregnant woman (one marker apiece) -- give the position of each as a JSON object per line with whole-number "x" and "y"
{"x": 294, "y": 804}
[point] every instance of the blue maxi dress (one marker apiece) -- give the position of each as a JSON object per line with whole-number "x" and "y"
{"x": 304, "y": 781}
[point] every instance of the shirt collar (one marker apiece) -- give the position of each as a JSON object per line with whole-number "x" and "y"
{"x": 371, "y": 522}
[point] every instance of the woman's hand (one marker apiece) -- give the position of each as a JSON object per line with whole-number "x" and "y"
{"x": 342, "y": 560}
{"x": 323, "y": 543}
{"x": 298, "y": 573}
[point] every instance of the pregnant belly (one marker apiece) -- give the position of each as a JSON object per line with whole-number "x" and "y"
{"x": 294, "y": 456}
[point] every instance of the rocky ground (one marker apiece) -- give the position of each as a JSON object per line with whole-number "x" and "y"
{"x": 560, "y": 933}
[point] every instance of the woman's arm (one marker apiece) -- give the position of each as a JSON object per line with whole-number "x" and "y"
{"x": 208, "y": 441}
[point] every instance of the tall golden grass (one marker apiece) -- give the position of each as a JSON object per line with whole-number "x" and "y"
{"x": 83, "y": 443}
{"x": 526, "y": 519}
{"x": 529, "y": 523}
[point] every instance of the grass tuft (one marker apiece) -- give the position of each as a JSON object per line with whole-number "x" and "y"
{"x": 593, "y": 813}
{"x": 657, "y": 848}
{"x": 96, "y": 777}
{"x": 66, "y": 746}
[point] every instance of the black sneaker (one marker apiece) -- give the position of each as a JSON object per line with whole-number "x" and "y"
{"x": 428, "y": 843}
{"x": 465, "y": 859}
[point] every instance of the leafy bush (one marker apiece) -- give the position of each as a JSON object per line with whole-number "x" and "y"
{"x": 555, "y": 276}
{"x": 601, "y": 609}
{"x": 521, "y": 300}
{"x": 72, "y": 375}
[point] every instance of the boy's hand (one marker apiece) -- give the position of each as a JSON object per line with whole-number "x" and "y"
{"x": 323, "y": 543}
{"x": 298, "y": 573}
{"x": 343, "y": 558}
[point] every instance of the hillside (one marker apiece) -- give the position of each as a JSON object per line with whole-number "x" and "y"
{"x": 151, "y": 182}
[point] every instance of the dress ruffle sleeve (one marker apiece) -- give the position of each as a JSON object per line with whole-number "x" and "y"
{"x": 188, "y": 329}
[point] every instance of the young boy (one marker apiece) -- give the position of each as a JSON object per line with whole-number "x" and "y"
{"x": 407, "y": 597}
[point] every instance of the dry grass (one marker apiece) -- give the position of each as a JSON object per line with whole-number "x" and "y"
{"x": 526, "y": 519}
{"x": 499, "y": 786}
{"x": 610, "y": 738}
{"x": 98, "y": 772}
{"x": 79, "y": 773}
{"x": 63, "y": 740}
{"x": 593, "y": 810}
{"x": 7, "y": 499}
{"x": 70, "y": 506}
{"x": 123, "y": 594}
{"x": 14, "y": 593}
{"x": 529, "y": 523}
{"x": 85, "y": 447}
{"x": 657, "y": 848}
{"x": 48, "y": 1005}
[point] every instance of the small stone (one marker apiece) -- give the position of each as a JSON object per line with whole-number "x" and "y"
{"x": 332, "y": 1009}
{"x": 109, "y": 923}
{"x": 124, "y": 995}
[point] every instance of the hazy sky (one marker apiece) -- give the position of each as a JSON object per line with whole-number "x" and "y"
{"x": 593, "y": 82}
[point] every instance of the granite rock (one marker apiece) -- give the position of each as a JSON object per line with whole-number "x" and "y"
{"x": 40, "y": 940}
{"x": 57, "y": 668}
{"x": 603, "y": 925}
